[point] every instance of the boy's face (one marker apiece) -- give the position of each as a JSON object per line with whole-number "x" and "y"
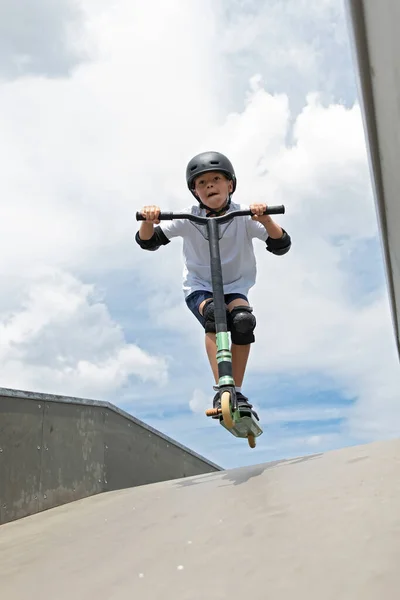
{"x": 213, "y": 188}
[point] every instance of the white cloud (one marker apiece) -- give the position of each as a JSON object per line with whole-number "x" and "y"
{"x": 40, "y": 42}
{"x": 61, "y": 339}
{"x": 79, "y": 156}
{"x": 199, "y": 402}
{"x": 300, "y": 414}
{"x": 301, "y": 46}
{"x": 306, "y": 319}
{"x": 314, "y": 440}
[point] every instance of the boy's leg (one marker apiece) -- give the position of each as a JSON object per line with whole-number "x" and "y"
{"x": 240, "y": 353}
{"x": 211, "y": 346}
{"x": 211, "y": 349}
{"x": 196, "y": 303}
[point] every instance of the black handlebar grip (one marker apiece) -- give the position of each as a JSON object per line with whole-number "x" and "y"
{"x": 163, "y": 216}
{"x": 275, "y": 210}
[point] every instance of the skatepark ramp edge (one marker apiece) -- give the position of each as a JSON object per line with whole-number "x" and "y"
{"x": 321, "y": 527}
{"x": 56, "y": 449}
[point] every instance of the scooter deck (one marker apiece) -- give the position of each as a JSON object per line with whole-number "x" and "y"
{"x": 244, "y": 425}
{"x": 241, "y": 424}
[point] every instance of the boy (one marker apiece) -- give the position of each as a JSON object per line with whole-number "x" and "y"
{"x": 212, "y": 181}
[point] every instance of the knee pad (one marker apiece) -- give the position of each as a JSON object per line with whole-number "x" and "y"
{"x": 209, "y": 316}
{"x": 242, "y": 325}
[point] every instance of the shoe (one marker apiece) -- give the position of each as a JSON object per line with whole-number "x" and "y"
{"x": 243, "y": 403}
{"x": 217, "y": 404}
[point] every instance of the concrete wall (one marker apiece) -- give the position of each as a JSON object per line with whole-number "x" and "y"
{"x": 54, "y": 450}
{"x": 373, "y": 29}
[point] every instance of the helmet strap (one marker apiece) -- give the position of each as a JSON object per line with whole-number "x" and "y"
{"x": 212, "y": 211}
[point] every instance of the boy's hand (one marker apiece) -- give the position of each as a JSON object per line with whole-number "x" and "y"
{"x": 151, "y": 213}
{"x": 258, "y": 210}
{"x": 273, "y": 229}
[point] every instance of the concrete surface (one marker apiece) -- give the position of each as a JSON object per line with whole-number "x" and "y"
{"x": 374, "y": 32}
{"x": 325, "y": 527}
{"x": 55, "y": 449}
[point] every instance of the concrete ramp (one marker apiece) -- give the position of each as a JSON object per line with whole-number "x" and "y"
{"x": 325, "y": 527}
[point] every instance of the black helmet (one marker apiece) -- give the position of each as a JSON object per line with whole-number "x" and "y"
{"x": 209, "y": 161}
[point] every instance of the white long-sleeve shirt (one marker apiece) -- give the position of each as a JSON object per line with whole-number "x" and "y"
{"x": 239, "y": 269}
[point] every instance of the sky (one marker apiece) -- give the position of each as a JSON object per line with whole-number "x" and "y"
{"x": 101, "y": 107}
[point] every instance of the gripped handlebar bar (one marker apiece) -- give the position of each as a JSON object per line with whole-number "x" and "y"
{"x": 167, "y": 216}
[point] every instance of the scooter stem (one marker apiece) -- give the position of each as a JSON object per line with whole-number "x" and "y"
{"x": 224, "y": 355}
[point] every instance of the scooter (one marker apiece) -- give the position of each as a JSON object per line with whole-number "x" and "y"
{"x": 240, "y": 423}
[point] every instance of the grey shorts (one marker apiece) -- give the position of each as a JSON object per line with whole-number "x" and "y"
{"x": 194, "y": 300}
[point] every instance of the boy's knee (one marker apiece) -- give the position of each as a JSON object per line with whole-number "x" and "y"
{"x": 209, "y": 316}
{"x": 242, "y": 325}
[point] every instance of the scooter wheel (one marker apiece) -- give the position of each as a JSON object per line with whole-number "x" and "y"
{"x": 226, "y": 409}
{"x": 251, "y": 440}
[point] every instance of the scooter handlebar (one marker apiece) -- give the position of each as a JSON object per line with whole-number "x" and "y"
{"x": 168, "y": 216}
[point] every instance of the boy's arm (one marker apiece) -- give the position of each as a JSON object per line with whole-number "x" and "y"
{"x": 151, "y": 238}
{"x": 278, "y": 240}
{"x": 146, "y": 230}
{"x": 273, "y": 229}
